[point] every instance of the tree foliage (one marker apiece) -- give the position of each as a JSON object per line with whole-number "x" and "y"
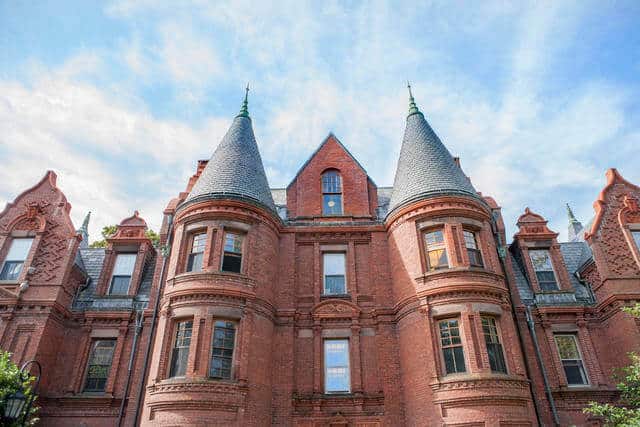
{"x": 627, "y": 413}
{"x": 110, "y": 230}
{"x": 12, "y": 380}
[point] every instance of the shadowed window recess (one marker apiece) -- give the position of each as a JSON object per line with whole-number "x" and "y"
{"x": 636, "y": 238}
{"x": 337, "y": 377}
{"x": 224, "y": 337}
{"x": 122, "y": 272}
{"x": 451, "y": 343}
{"x": 334, "y": 265}
{"x": 232, "y": 257}
{"x": 436, "y": 250}
{"x": 198, "y": 243}
{"x": 473, "y": 250}
{"x": 541, "y": 260}
{"x": 331, "y": 193}
{"x": 14, "y": 261}
{"x": 571, "y": 358}
{"x": 99, "y": 365}
{"x": 494, "y": 347}
{"x": 180, "y": 353}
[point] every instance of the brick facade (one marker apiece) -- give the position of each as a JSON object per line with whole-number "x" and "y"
{"x": 391, "y": 313}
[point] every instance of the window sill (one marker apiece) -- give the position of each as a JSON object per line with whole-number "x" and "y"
{"x": 9, "y": 282}
{"x": 335, "y": 296}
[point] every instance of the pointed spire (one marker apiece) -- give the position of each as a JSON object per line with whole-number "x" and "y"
{"x": 84, "y": 231}
{"x": 235, "y": 170}
{"x": 413, "y": 108}
{"x": 244, "y": 110}
{"x": 575, "y": 227}
{"x": 425, "y": 167}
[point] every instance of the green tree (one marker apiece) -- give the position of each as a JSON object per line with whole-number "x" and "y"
{"x": 627, "y": 412}
{"x": 110, "y": 230}
{"x": 12, "y": 380}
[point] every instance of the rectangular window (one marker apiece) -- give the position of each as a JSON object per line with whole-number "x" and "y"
{"x": 494, "y": 347}
{"x": 452, "y": 350}
{"x": 224, "y": 337}
{"x": 122, "y": 272}
{"x": 436, "y": 250}
{"x": 181, "y": 345}
{"x": 232, "y": 257}
{"x": 336, "y": 366}
{"x": 194, "y": 263}
{"x": 331, "y": 193}
{"x": 333, "y": 265}
{"x": 571, "y": 359}
{"x": 473, "y": 252}
{"x": 541, "y": 260}
{"x": 18, "y": 252}
{"x": 99, "y": 365}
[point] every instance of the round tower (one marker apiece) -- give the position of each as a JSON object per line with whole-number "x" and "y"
{"x": 212, "y": 349}
{"x": 458, "y": 345}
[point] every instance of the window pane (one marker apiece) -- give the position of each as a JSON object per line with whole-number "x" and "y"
{"x": 233, "y": 243}
{"x": 231, "y": 262}
{"x": 11, "y": 270}
{"x": 434, "y": 238}
{"x": 470, "y": 239}
{"x": 332, "y": 204}
{"x": 119, "y": 285}
{"x": 334, "y": 285}
{"x": 474, "y": 257}
{"x": 333, "y": 263}
{"x": 541, "y": 260}
{"x": 336, "y": 362}
{"x": 99, "y": 365}
{"x": 331, "y": 182}
{"x": 438, "y": 259}
{"x": 459, "y": 359}
{"x": 124, "y": 264}
{"x": 574, "y": 372}
{"x": 19, "y": 249}
{"x": 636, "y": 238}
{"x": 567, "y": 347}
{"x": 195, "y": 262}
{"x": 222, "y": 349}
{"x": 199, "y": 242}
{"x": 180, "y": 354}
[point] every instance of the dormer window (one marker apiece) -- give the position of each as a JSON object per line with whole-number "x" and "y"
{"x": 436, "y": 250}
{"x": 542, "y": 265}
{"x": 473, "y": 252}
{"x": 198, "y": 242}
{"x": 15, "y": 259}
{"x": 232, "y": 257}
{"x": 122, "y": 272}
{"x": 636, "y": 238}
{"x": 331, "y": 193}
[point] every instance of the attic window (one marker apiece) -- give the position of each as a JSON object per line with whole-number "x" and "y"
{"x": 15, "y": 259}
{"x": 541, "y": 260}
{"x": 122, "y": 272}
{"x": 331, "y": 193}
{"x": 636, "y": 238}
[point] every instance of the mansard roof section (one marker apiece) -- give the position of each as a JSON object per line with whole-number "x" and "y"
{"x": 614, "y": 179}
{"x": 235, "y": 170}
{"x": 425, "y": 167}
{"x": 331, "y": 138}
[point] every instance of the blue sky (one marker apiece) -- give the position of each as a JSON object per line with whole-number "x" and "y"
{"x": 121, "y": 98}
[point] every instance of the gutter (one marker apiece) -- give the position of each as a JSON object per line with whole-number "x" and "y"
{"x": 138, "y": 329}
{"x": 501, "y": 256}
{"x": 166, "y": 252}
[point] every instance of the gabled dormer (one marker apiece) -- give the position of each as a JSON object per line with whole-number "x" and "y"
{"x": 126, "y": 253}
{"x": 331, "y": 184}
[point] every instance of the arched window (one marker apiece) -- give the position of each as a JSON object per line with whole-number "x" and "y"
{"x": 331, "y": 193}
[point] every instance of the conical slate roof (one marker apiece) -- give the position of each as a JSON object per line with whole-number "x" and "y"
{"x": 235, "y": 170}
{"x": 425, "y": 167}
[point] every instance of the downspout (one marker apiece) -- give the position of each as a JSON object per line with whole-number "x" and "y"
{"x": 545, "y": 378}
{"x": 138, "y": 328}
{"x": 501, "y": 256}
{"x": 166, "y": 252}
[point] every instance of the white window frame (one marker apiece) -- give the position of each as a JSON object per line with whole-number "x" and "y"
{"x": 584, "y": 366}
{"x": 113, "y": 272}
{"x": 326, "y": 367}
{"x": 324, "y": 272}
{"x": 553, "y": 269}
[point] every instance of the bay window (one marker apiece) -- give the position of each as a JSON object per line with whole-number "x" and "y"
{"x": 494, "y": 347}
{"x": 14, "y": 261}
{"x": 436, "y": 250}
{"x": 180, "y": 354}
{"x": 222, "y": 347}
{"x": 451, "y": 344}
{"x": 473, "y": 251}
{"x": 198, "y": 243}
{"x": 232, "y": 256}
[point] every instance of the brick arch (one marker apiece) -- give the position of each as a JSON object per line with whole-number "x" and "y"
{"x": 26, "y": 222}
{"x": 335, "y": 308}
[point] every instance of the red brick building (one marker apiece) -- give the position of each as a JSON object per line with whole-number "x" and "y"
{"x": 332, "y": 302}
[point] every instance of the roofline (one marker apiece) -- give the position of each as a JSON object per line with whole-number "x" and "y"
{"x": 326, "y": 139}
{"x": 436, "y": 193}
{"x": 229, "y": 196}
